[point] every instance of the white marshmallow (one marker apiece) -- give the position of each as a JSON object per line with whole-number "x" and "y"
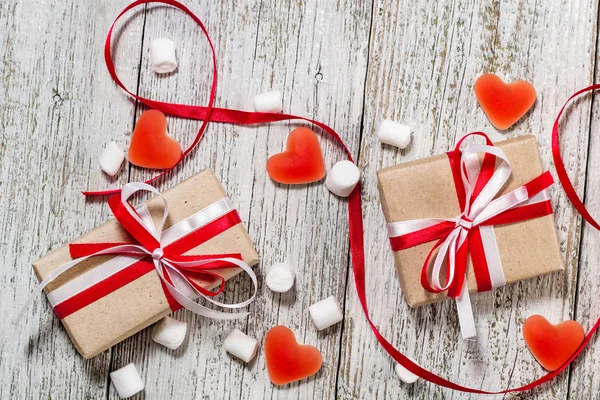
{"x": 127, "y": 381}
{"x": 280, "y": 277}
{"x": 342, "y": 178}
{"x": 162, "y": 56}
{"x": 325, "y": 313}
{"x": 405, "y": 375}
{"x": 394, "y": 133}
{"x": 169, "y": 332}
{"x": 268, "y": 102}
{"x": 240, "y": 345}
{"x": 111, "y": 159}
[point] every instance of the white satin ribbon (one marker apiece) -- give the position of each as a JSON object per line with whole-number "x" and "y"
{"x": 476, "y": 212}
{"x": 181, "y": 289}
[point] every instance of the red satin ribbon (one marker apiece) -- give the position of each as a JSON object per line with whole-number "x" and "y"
{"x": 356, "y": 233}
{"x": 473, "y": 243}
{"x": 173, "y": 251}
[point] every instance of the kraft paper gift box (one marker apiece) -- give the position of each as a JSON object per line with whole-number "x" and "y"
{"x": 129, "y": 309}
{"x": 425, "y": 189}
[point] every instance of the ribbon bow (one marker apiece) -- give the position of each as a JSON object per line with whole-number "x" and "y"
{"x": 164, "y": 248}
{"x": 477, "y": 185}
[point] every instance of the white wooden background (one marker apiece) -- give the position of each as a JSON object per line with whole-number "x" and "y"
{"x": 349, "y": 64}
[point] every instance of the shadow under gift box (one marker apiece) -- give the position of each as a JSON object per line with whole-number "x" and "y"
{"x": 425, "y": 189}
{"x": 131, "y": 308}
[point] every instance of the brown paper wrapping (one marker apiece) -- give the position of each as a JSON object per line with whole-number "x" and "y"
{"x": 142, "y": 302}
{"x": 425, "y": 189}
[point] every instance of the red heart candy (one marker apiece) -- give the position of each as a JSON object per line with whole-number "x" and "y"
{"x": 150, "y": 146}
{"x": 288, "y": 361}
{"x": 301, "y": 162}
{"x": 552, "y": 345}
{"x": 503, "y": 103}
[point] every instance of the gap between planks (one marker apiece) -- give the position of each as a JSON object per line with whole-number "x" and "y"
{"x": 349, "y": 266}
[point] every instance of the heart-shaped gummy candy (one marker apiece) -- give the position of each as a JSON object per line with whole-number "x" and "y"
{"x": 150, "y": 146}
{"x": 552, "y": 345}
{"x": 503, "y": 103}
{"x": 301, "y": 162}
{"x": 288, "y": 361}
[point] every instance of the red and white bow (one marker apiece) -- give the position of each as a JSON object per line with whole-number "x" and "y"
{"x": 472, "y": 233}
{"x": 162, "y": 250}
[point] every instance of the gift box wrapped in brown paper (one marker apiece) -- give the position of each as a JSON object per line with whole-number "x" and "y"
{"x": 425, "y": 189}
{"x": 129, "y": 309}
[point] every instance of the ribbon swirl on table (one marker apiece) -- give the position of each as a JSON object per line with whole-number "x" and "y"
{"x": 158, "y": 249}
{"x": 356, "y": 231}
{"x": 477, "y": 184}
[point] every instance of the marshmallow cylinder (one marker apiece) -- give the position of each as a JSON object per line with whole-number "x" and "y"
{"x": 268, "y": 102}
{"x": 280, "y": 277}
{"x": 169, "y": 332}
{"x": 111, "y": 159}
{"x": 127, "y": 381}
{"x": 405, "y": 375}
{"x": 342, "y": 178}
{"x": 162, "y": 56}
{"x": 325, "y": 313}
{"x": 394, "y": 133}
{"x": 240, "y": 345}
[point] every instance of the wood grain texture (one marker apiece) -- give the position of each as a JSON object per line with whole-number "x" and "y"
{"x": 308, "y": 50}
{"x": 583, "y": 384}
{"x": 422, "y": 67}
{"x": 347, "y": 63}
{"x": 58, "y": 111}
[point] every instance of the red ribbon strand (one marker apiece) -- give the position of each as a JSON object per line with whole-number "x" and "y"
{"x": 210, "y": 113}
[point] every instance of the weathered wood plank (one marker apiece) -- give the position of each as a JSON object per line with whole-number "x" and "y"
{"x": 61, "y": 108}
{"x": 424, "y": 59}
{"x": 309, "y": 50}
{"x": 58, "y": 111}
{"x": 583, "y": 382}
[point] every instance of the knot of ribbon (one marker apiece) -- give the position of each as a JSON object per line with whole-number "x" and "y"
{"x": 478, "y": 185}
{"x": 157, "y": 254}
{"x": 156, "y": 248}
{"x": 464, "y": 223}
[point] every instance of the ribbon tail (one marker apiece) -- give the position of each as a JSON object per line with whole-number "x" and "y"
{"x": 176, "y": 290}
{"x": 173, "y": 304}
{"x": 465, "y": 314}
{"x": 492, "y": 256}
{"x": 460, "y": 292}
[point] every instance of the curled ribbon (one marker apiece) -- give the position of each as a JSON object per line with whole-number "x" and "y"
{"x": 164, "y": 249}
{"x": 477, "y": 185}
